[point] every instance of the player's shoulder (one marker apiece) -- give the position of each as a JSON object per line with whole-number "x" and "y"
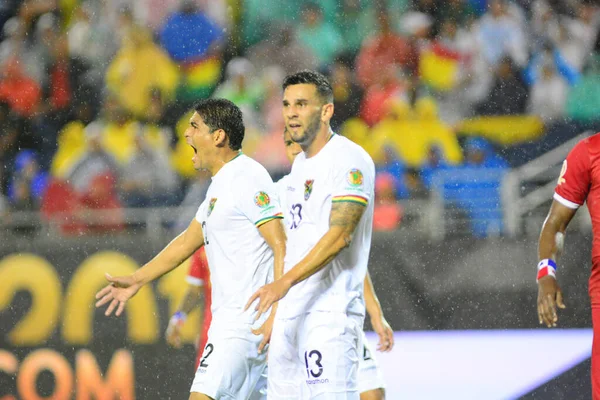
{"x": 348, "y": 151}
{"x": 248, "y": 168}
{"x": 281, "y": 183}
{"x": 591, "y": 142}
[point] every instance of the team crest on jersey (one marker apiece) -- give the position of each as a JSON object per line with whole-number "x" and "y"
{"x": 262, "y": 199}
{"x": 308, "y": 186}
{"x": 211, "y": 206}
{"x": 563, "y": 171}
{"x": 355, "y": 177}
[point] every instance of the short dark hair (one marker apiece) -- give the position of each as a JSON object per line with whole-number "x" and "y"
{"x": 223, "y": 114}
{"x": 311, "y": 78}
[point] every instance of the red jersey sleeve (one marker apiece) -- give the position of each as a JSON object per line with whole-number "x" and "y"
{"x": 575, "y": 177}
{"x": 198, "y": 273}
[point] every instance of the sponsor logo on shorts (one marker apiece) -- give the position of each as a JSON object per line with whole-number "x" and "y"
{"x": 316, "y": 381}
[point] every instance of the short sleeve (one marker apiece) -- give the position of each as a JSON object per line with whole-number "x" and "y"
{"x": 200, "y": 214}
{"x": 198, "y": 273}
{"x": 574, "y": 181}
{"x": 354, "y": 180}
{"x": 257, "y": 199}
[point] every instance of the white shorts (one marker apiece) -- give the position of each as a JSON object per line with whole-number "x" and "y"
{"x": 369, "y": 374}
{"x": 230, "y": 367}
{"x": 315, "y": 356}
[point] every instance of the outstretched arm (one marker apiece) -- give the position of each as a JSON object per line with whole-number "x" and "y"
{"x": 378, "y": 321}
{"x": 549, "y": 246}
{"x": 121, "y": 289}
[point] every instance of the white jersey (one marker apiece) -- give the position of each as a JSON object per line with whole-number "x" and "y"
{"x": 241, "y": 197}
{"x": 280, "y": 189}
{"x": 341, "y": 172}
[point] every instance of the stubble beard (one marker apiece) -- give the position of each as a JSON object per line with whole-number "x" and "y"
{"x": 310, "y": 133}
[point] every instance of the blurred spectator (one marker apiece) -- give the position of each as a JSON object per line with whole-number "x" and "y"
{"x": 389, "y": 84}
{"x": 91, "y": 43}
{"x": 437, "y": 132}
{"x": 148, "y": 179}
{"x": 28, "y": 183}
{"x": 196, "y": 192}
{"x": 460, "y": 12}
{"x": 138, "y": 67}
{"x": 583, "y": 101}
{"x": 101, "y": 195}
{"x": 9, "y": 135}
{"x": 548, "y": 95}
{"x": 94, "y": 162}
{"x": 500, "y": 35}
{"x": 260, "y": 14}
{"x": 271, "y": 106}
{"x": 282, "y": 48}
{"x": 241, "y": 85}
{"x": 189, "y": 34}
{"x": 447, "y": 63}
{"x": 387, "y": 213}
{"x": 508, "y": 95}
{"x": 22, "y": 93}
{"x": 71, "y": 141}
{"x": 435, "y": 162}
{"x": 385, "y": 49}
{"x": 154, "y": 12}
{"x": 357, "y": 20}
{"x": 451, "y": 68}
{"x": 195, "y": 42}
{"x": 411, "y": 133}
{"x": 319, "y": 35}
{"x": 347, "y": 94}
{"x": 413, "y": 184}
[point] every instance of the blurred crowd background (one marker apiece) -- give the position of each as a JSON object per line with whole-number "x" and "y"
{"x": 95, "y": 95}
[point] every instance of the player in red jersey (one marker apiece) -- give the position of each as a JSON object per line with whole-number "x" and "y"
{"x": 579, "y": 182}
{"x": 196, "y": 294}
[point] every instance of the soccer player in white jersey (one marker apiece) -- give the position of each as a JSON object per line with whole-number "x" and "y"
{"x": 316, "y": 338}
{"x": 370, "y": 378}
{"x": 239, "y": 223}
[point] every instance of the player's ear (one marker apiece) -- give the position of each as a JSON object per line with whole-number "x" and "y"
{"x": 327, "y": 112}
{"x": 220, "y": 138}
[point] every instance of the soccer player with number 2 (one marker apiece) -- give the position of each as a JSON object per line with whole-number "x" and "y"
{"x": 240, "y": 226}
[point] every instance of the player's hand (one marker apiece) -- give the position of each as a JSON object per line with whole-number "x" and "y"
{"x": 385, "y": 333}
{"x": 117, "y": 292}
{"x": 549, "y": 297}
{"x": 268, "y": 295}
{"x": 265, "y": 330}
{"x": 173, "y": 333}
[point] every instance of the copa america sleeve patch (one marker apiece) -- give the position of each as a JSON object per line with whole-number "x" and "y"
{"x": 355, "y": 177}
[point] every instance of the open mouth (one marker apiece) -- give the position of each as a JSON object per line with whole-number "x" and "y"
{"x": 195, "y": 150}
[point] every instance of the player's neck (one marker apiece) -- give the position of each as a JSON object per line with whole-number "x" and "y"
{"x": 222, "y": 158}
{"x": 320, "y": 141}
